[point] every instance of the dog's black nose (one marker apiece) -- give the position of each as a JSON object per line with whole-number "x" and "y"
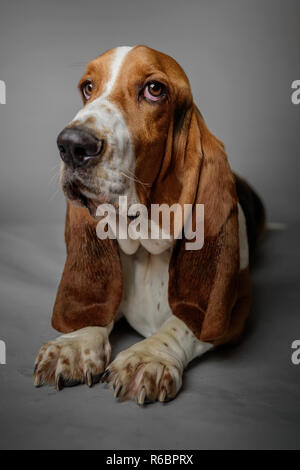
{"x": 77, "y": 146}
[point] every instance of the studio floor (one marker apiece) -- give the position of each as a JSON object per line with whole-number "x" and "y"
{"x": 246, "y": 397}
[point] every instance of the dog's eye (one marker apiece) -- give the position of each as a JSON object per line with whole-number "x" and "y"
{"x": 87, "y": 90}
{"x": 154, "y": 91}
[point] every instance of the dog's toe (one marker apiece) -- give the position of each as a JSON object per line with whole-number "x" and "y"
{"x": 74, "y": 358}
{"x": 143, "y": 377}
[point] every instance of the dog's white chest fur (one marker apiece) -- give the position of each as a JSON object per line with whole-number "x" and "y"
{"x": 146, "y": 278}
{"x": 145, "y": 292}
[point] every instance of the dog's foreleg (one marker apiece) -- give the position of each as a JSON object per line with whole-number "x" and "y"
{"x": 152, "y": 369}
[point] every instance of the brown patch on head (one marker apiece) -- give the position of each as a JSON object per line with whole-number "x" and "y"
{"x": 75, "y": 123}
{"x": 89, "y": 122}
{"x": 107, "y": 108}
{"x": 152, "y": 125}
{"x": 87, "y": 351}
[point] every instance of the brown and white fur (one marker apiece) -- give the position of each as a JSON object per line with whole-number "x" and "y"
{"x": 184, "y": 304}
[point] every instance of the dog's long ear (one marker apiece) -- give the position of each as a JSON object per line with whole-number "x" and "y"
{"x": 202, "y": 283}
{"x": 90, "y": 290}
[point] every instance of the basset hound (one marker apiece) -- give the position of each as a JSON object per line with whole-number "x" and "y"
{"x": 140, "y": 135}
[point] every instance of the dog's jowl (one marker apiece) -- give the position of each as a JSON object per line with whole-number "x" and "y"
{"x": 139, "y": 135}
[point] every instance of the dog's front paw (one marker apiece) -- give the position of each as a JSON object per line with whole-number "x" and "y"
{"x": 141, "y": 374}
{"x": 79, "y": 357}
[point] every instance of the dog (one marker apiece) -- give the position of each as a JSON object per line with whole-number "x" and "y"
{"x": 140, "y": 135}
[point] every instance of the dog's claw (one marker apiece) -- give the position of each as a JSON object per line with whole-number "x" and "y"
{"x": 105, "y": 375}
{"x": 59, "y": 382}
{"x": 142, "y": 396}
{"x": 162, "y": 395}
{"x": 89, "y": 379}
{"x": 37, "y": 380}
{"x": 118, "y": 390}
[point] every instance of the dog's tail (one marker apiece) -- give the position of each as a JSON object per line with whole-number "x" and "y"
{"x": 254, "y": 211}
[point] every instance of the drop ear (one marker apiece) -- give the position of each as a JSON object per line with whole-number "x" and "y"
{"x": 202, "y": 283}
{"x": 217, "y": 189}
{"x": 90, "y": 289}
{"x": 179, "y": 172}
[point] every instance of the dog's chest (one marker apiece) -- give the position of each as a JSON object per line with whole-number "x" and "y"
{"x": 146, "y": 279}
{"x": 145, "y": 292}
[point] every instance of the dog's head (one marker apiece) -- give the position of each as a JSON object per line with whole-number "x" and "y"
{"x": 134, "y": 101}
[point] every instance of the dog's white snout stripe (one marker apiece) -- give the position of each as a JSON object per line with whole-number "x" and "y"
{"x": 106, "y": 113}
{"x": 119, "y": 56}
{"x": 115, "y": 67}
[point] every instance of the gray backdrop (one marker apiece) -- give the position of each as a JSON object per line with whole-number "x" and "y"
{"x": 241, "y": 57}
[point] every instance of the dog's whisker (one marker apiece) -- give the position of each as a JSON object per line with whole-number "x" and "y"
{"x": 53, "y": 195}
{"x": 131, "y": 173}
{"x": 135, "y": 179}
{"x": 55, "y": 167}
{"x": 54, "y": 179}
